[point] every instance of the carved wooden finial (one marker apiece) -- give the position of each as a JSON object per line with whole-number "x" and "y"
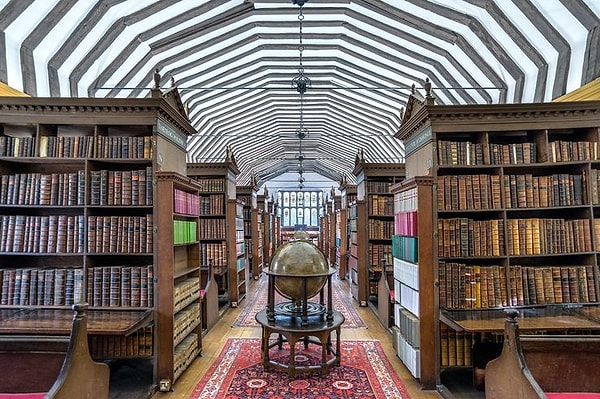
{"x": 401, "y": 113}
{"x": 427, "y": 87}
{"x": 413, "y": 89}
{"x": 156, "y": 79}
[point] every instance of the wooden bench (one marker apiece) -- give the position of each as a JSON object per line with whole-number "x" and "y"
{"x": 47, "y": 366}
{"x": 544, "y": 366}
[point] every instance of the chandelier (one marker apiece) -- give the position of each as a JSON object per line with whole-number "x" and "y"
{"x": 301, "y": 83}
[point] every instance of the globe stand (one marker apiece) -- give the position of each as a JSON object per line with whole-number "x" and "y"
{"x": 301, "y": 308}
{"x": 299, "y": 272}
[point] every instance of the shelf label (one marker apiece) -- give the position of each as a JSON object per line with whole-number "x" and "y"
{"x": 418, "y": 140}
{"x": 171, "y": 134}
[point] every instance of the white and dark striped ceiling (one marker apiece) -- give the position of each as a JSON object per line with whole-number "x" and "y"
{"x": 233, "y": 62}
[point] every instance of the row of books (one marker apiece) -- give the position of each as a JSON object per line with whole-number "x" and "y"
{"x": 406, "y": 201}
{"x": 455, "y": 347}
{"x": 41, "y": 287}
{"x": 212, "y": 185}
{"x": 184, "y": 354}
{"x": 124, "y": 147}
{"x": 405, "y": 248}
{"x": 186, "y": 203}
{"x": 185, "y": 292}
{"x": 247, "y": 227}
{"x": 406, "y": 273}
{"x": 185, "y": 231}
{"x": 67, "y": 146}
{"x": 137, "y": 344}
{"x": 473, "y": 192}
{"x": 66, "y": 189}
{"x": 536, "y": 236}
{"x": 526, "y": 190}
{"x": 212, "y": 229}
{"x": 460, "y": 153}
{"x": 213, "y": 204}
{"x": 474, "y": 287}
{"x": 383, "y": 187}
{"x": 409, "y": 355}
{"x": 566, "y": 151}
{"x": 185, "y": 321}
{"x": 594, "y": 182}
{"x": 380, "y": 229}
{"x": 120, "y": 234}
{"x": 42, "y": 234}
{"x": 406, "y": 223}
{"x": 121, "y": 187}
{"x": 121, "y": 286}
{"x": 464, "y": 237}
{"x": 78, "y": 147}
{"x": 381, "y": 205}
{"x": 213, "y": 253}
{"x": 17, "y": 146}
{"x": 513, "y": 153}
{"x": 407, "y": 297}
{"x": 481, "y": 191}
{"x": 409, "y": 326}
{"x": 380, "y": 253}
{"x": 468, "y": 153}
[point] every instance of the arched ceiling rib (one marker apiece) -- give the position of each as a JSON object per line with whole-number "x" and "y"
{"x": 233, "y": 62}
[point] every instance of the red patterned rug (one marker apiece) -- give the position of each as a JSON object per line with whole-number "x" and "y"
{"x": 258, "y": 302}
{"x": 364, "y": 373}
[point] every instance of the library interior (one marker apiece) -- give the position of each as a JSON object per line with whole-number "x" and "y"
{"x": 300, "y": 199}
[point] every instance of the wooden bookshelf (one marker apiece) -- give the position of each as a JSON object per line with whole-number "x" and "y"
{"x": 237, "y": 259}
{"x": 348, "y": 196}
{"x": 514, "y": 214}
{"x": 372, "y": 223}
{"x": 179, "y": 308}
{"x": 253, "y": 228}
{"x": 412, "y": 269}
{"x": 79, "y": 214}
{"x": 258, "y": 234}
{"x": 218, "y": 181}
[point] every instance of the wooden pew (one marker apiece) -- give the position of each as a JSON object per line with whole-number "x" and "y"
{"x": 544, "y": 366}
{"x": 52, "y": 367}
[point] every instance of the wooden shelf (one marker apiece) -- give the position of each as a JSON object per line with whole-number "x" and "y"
{"x": 489, "y": 165}
{"x": 60, "y": 321}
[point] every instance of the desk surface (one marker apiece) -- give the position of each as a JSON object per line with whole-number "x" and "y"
{"x": 547, "y": 318}
{"x": 60, "y": 321}
{"x": 293, "y": 324}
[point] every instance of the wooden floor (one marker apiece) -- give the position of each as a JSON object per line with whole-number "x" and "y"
{"x": 214, "y": 340}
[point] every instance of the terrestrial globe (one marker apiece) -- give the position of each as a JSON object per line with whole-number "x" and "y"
{"x": 294, "y": 262}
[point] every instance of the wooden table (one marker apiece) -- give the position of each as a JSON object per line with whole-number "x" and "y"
{"x": 288, "y": 329}
{"x": 59, "y": 321}
{"x": 549, "y": 318}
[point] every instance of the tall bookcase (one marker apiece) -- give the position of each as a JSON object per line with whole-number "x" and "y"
{"x": 178, "y": 307}
{"x": 237, "y": 259}
{"x": 252, "y": 228}
{"x": 217, "y": 219}
{"x": 372, "y": 224}
{"x": 342, "y": 242}
{"x": 412, "y": 269}
{"x": 515, "y": 219}
{"x": 79, "y": 214}
{"x": 258, "y": 234}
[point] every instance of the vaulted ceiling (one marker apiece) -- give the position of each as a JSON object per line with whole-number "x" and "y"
{"x": 233, "y": 62}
